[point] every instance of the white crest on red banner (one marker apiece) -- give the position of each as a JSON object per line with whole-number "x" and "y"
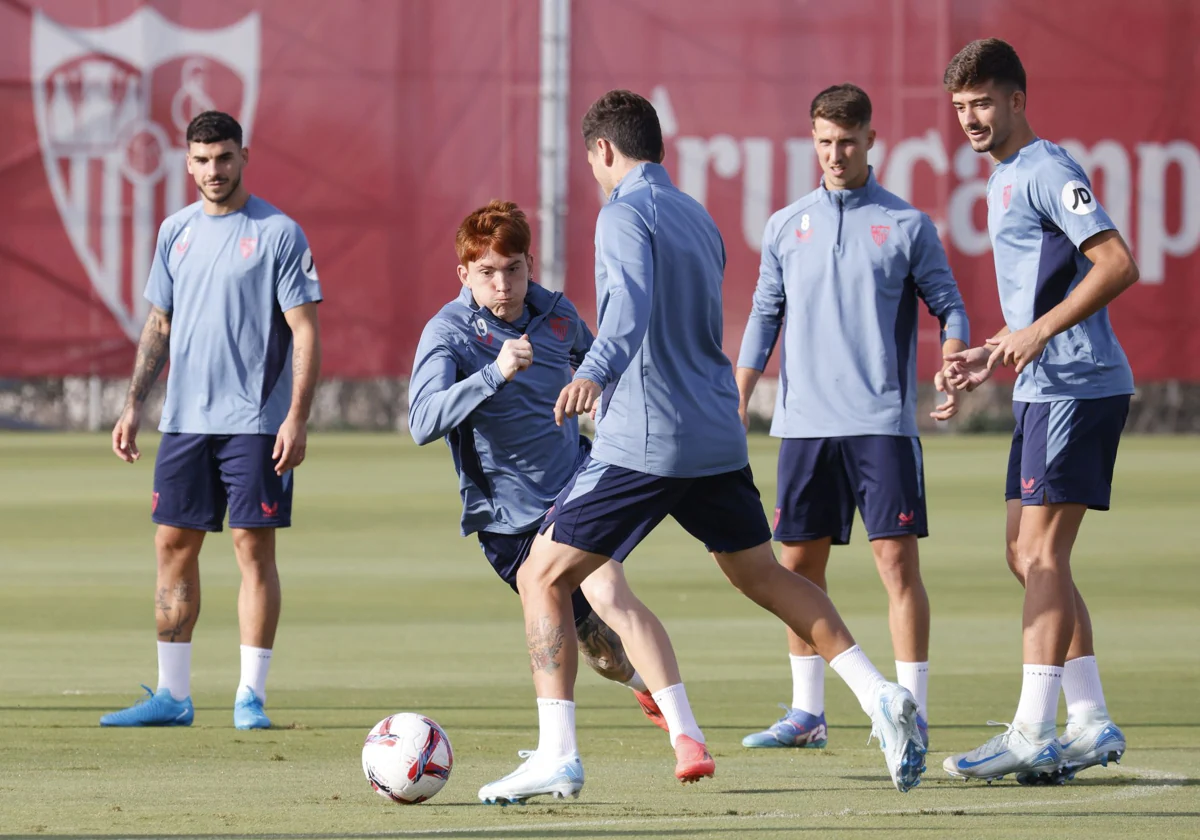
{"x": 112, "y": 106}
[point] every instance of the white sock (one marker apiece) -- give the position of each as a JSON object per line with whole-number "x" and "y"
{"x": 556, "y": 729}
{"x": 1038, "y": 708}
{"x": 915, "y": 677}
{"x": 808, "y": 683}
{"x": 256, "y": 662}
{"x": 636, "y": 682}
{"x": 175, "y": 668}
{"x": 864, "y": 679}
{"x": 1081, "y": 685}
{"x": 676, "y": 710}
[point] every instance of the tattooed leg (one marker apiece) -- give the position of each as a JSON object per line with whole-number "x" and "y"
{"x": 177, "y": 596}
{"x": 602, "y": 650}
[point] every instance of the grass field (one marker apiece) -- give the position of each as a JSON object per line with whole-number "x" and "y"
{"x": 387, "y": 609}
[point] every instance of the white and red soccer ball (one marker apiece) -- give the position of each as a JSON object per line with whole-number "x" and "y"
{"x": 407, "y": 758}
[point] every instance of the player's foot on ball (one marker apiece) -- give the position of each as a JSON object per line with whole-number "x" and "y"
{"x": 894, "y": 723}
{"x": 1034, "y": 760}
{"x": 795, "y": 729}
{"x": 1087, "y": 742}
{"x": 650, "y": 709}
{"x": 157, "y": 709}
{"x": 559, "y": 777}
{"x": 692, "y": 760}
{"x": 248, "y": 710}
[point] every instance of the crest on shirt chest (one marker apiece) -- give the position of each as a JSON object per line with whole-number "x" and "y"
{"x": 1006, "y": 196}
{"x": 112, "y": 105}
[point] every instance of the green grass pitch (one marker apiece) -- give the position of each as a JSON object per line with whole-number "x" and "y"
{"x": 387, "y": 609}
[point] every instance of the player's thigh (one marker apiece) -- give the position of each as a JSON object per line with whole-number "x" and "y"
{"x": 887, "y": 475}
{"x": 1012, "y": 533}
{"x": 1047, "y": 534}
{"x": 188, "y": 493}
{"x": 809, "y": 558}
{"x": 506, "y": 553}
{"x": 724, "y": 512}
{"x": 813, "y": 499}
{"x": 1069, "y": 451}
{"x": 258, "y": 497}
{"x": 607, "y": 510}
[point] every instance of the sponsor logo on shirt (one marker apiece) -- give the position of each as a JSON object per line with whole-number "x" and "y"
{"x": 308, "y": 266}
{"x": 1077, "y": 198}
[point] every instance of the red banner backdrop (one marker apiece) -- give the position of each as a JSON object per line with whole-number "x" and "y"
{"x": 379, "y": 124}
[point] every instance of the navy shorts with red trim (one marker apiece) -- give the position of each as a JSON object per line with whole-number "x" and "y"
{"x": 608, "y": 510}
{"x": 1064, "y": 452}
{"x": 823, "y": 480}
{"x": 196, "y": 477}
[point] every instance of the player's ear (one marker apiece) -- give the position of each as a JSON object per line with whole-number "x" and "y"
{"x": 245, "y": 155}
{"x": 1018, "y": 101}
{"x": 871, "y": 139}
{"x": 462, "y": 273}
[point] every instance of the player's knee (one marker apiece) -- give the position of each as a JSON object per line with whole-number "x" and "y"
{"x": 175, "y": 548}
{"x": 1013, "y": 556}
{"x": 255, "y": 548}
{"x": 898, "y": 564}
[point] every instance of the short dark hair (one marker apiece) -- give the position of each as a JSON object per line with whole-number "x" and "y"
{"x": 846, "y": 104}
{"x": 214, "y": 127}
{"x": 983, "y": 61}
{"x": 629, "y": 122}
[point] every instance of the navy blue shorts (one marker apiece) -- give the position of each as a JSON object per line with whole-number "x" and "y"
{"x": 506, "y": 553}
{"x": 823, "y": 480}
{"x": 608, "y": 510}
{"x": 197, "y": 476}
{"x": 1064, "y": 452}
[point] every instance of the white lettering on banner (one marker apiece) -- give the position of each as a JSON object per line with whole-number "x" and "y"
{"x": 1160, "y": 167}
{"x": 1155, "y": 161}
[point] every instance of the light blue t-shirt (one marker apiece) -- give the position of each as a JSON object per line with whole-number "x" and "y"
{"x": 670, "y": 404}
{"x": 1041, "y": 208}
{"x": 227, "y": 280}
{"x": 841, "y": 274}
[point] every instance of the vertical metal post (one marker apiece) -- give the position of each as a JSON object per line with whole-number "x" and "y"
{"x": 554, "y": 93}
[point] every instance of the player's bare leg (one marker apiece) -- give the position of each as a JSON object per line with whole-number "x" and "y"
{"x": 898, "y": 561}
{"x": 619, "y": 613}
{"x": 177, "y": 583}
{"x": 804, "y": 723}
{"x": 807, "y": 610}
{"x": 259, "y": 602}
{"x": 176, "y": 608}
{"x": 1082, "y": 640}
{"x": 1042, "y": 559}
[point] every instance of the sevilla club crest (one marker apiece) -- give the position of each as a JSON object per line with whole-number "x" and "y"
{"x": 112, "y": 106}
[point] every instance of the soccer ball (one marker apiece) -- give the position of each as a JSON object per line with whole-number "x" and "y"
{"x": 407, "y": 758}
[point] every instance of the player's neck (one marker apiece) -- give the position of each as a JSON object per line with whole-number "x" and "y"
{"x": 235, "y": 202}
{"x": 1022, "y": 135}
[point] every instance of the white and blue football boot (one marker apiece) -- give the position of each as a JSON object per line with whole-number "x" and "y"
{"x": 559, "y": 778}
{"x": 248, "y": 711}
{"x": 1035, "y": 761}
{"x": 157, "y": 709}
{"x": 894, "y": 723}
{"x": 1089, "y": 741}
{"x": 795, "y": 729}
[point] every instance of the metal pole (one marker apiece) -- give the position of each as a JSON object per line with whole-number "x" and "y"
{"x": 554, "y": 93}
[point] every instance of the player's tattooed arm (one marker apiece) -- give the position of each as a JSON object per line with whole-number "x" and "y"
{"x": 545, "y": 642}
{"x": 154, "y": 347}
{"x": 306, "y": 357}
{"x": 602, "y": 650}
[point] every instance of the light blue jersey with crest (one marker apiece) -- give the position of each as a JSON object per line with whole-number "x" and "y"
{"x": 841, "y": 274}
{"x": 1041, "y": 209}
{"x": 227, "y": 280}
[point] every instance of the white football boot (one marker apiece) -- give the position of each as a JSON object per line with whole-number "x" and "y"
{"x": 1034, "y": 760}
{"x": 560, "y": 778}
